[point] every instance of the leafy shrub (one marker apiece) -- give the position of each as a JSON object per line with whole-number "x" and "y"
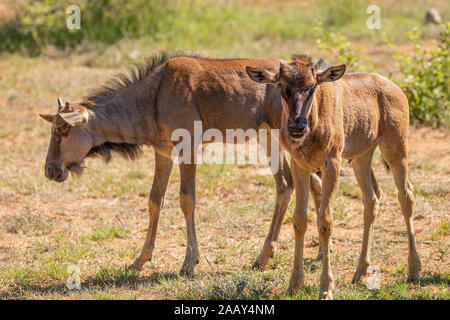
{"x": 189, "y": 24}
{"x": 40, "y": 23}
{"x": 426, "y": 79}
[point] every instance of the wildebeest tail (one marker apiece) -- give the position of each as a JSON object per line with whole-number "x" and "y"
{"x": 386, "y": 165}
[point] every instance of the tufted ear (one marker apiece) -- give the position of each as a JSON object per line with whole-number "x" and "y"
{"x": 331, "y": 74}
{"x": 76, "y": 118}
{"x": 261, "y": 75}
{"x": 48, "y": 116}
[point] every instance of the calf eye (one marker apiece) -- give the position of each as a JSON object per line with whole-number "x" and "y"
{"x": 287, "y": 93}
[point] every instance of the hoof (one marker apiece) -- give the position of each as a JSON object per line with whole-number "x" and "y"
{"x": 415, "y": 277}
{"x": 187, "y": 269}
{"x": 295, "y": 283}
{"x": 414, "y": 269}
{"x": 187, "y": 272}
{"x": 257, "y": 266}
{"x": 137, "y": 265}
{"x": 264, "y": 256}
{"x": 326, "y": 295}
{"x": 361, "y": 271}
{"x": 292, "y": 289}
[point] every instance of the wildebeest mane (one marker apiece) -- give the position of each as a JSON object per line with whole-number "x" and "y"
{"x": 301, "y": 57}
{"x": 320, "y": 65}
{"x": 133, "y": 74}
{"x": 105, "y": 151}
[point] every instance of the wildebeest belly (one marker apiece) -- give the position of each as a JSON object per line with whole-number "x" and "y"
{"x": 361, "y": 128}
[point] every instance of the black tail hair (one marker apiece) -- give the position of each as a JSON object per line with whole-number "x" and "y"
{"x": 386, "y": 166}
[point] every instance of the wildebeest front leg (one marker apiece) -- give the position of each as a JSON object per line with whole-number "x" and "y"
{"x": 316, "y": 191}
{"x": 330, "y": 175}
{"x": 187, "y": 203}
{"x": 300, "y": 221}
{"x": 163, "y": 167}
{"x": 285, "y": 188}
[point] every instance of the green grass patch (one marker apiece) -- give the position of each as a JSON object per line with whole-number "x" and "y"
{"x": 442, "y": 230}
{"x": 108, "y": 275}
{"x": 431, "y": 190}
{"x": 108, "y": 232}
{"x": 348, "y": 187}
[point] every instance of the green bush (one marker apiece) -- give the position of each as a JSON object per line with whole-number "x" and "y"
{"x": 189, "y": 24}
{"x": 41, "y": 23}
{"x": 426, "y": 79}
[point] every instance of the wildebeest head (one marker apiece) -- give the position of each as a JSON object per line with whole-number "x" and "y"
{"x": 70, "y": 141}
{"x": 297, "y": 82}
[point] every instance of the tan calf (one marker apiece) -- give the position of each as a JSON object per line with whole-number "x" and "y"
{"x": 328, "y": 115}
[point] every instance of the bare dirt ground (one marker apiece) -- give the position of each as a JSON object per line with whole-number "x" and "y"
{"x": 98, "y": 222}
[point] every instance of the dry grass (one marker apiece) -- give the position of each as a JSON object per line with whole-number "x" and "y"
{"x": 98, "y": 222}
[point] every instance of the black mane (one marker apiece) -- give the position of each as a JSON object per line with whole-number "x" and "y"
{"x": 105, "y": 150}
{"x": 132, "y": 75}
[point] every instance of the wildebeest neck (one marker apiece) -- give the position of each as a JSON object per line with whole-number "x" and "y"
{"x": 121, "y": 120}
{"x": 122, "y": 111}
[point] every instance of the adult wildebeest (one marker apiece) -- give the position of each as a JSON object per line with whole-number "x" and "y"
{"x": 328, "y": 115}
{"x": 145, "y": 105}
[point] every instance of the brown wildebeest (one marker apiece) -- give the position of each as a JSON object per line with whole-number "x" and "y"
{"x": 145, "y": 106}
{"x": 328, "y": 115}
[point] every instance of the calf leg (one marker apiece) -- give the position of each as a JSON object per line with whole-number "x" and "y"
{"x": 284, "y": 186}
{"x": 398, "y": 163}
{"x": 368, "y": 185}
{"x": 163, "y": 167}
{"x": 330, "y": 175}
{"x": 187, "y": 203}
{"x": 300, "y": 221}
{"x": 316, "y": 190}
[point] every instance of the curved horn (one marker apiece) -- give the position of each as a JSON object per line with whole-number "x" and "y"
{"x": 60, "y": 105}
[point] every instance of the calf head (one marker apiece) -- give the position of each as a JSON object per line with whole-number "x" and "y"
{"x": 297, "y": 82}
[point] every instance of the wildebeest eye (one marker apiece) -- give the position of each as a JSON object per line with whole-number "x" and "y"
{"x": 62, "y": 130}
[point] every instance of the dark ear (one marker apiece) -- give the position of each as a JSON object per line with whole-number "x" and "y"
{"x": 48, "y": 116}
{"x": 261, "y": 75}
{"x": 331, "y": 74}
{"x": 76, "y": 118}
